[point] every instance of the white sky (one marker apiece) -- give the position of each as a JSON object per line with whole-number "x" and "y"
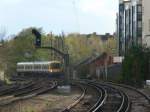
{"x": 84, "y": 16}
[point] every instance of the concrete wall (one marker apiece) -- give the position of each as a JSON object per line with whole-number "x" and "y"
{"x": 114, "y": 71}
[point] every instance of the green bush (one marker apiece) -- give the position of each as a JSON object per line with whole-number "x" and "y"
{"x": 136, "y": 65}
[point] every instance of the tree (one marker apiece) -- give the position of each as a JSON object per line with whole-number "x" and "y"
{"x": 110, "y": 46}
{"x": 136, "y": 65}
{"x": 2, "y": 35}
{"x": 17, "y": 49}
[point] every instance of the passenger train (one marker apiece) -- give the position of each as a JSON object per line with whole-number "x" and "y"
{"x": 41, "y": 69}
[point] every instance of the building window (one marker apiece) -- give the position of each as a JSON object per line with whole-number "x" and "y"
{"x": 134, "y": 13}
{"x": 139, "y": 32}
{"x": 139, "y": 23}
{"x": 139, "y": 8}
{"x": 139, "y": 16}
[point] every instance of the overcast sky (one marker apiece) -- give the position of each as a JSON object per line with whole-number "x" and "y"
{"x": 84, "y": 16}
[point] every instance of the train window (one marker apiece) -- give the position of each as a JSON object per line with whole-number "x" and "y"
{"x": 40, "y": 66}
{"x": 18, "y": 67}
{"x": 37, "y": 67}
{"x": 44, "y": 67}
{"x": 27, "y": 67}
{"x": 55, "y": 65}
{"x": 21, "y": 67}
{"x": 30, "y": 67}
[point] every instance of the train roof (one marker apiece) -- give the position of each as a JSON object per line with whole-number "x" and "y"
{"x": 36, "y": 62}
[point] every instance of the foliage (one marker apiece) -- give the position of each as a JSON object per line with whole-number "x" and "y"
{"x": 136, "y": 65}
{"x": 82, "y": 46}
{"x": 110, "y": 46}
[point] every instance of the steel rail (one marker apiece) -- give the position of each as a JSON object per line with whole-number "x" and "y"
{"x": 125, "y": 102}
{"x": 68, "y": 109}
{"x": 131, "y": 88}
{"x": 103, "y": 95}
{"x": 101, "y": 100}
{"x": 13, "y": 98}
{"x": 125, "y": 105}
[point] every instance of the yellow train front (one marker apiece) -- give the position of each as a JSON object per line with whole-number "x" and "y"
{"x": 50, "y": 69}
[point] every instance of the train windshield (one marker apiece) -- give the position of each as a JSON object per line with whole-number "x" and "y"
{"x": 55, "y": 65}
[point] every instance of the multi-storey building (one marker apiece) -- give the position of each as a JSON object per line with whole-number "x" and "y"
{"x": 146, "y": 22}
{"x": 133, "y": 24}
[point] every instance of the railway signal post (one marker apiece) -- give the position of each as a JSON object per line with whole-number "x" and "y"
{"x": 65, "y": 56}
{"x": 38, "y": 37}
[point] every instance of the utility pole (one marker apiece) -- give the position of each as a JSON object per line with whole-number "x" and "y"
{"x": 5, "y": 69}
{"x": 106, "y": 69}
{"x": 51, "y": 53}
{"x": 63, "y": 42}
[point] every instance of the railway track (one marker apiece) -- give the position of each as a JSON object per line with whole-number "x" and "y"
{"x": 27, "y": 91}
{"x": 108, "y": 99}
{"x": 115, "y": 100}
{"x": 139, "y": 101}
{"x": 71, "y": 106}
{"x": 123, "y": 98}
{"x": 95, "y": 96}
{"x": 100, "y": 102}
{"x": 86, "y": 104}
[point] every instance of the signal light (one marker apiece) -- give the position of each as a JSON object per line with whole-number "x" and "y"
{"x": 37, "y": 37}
